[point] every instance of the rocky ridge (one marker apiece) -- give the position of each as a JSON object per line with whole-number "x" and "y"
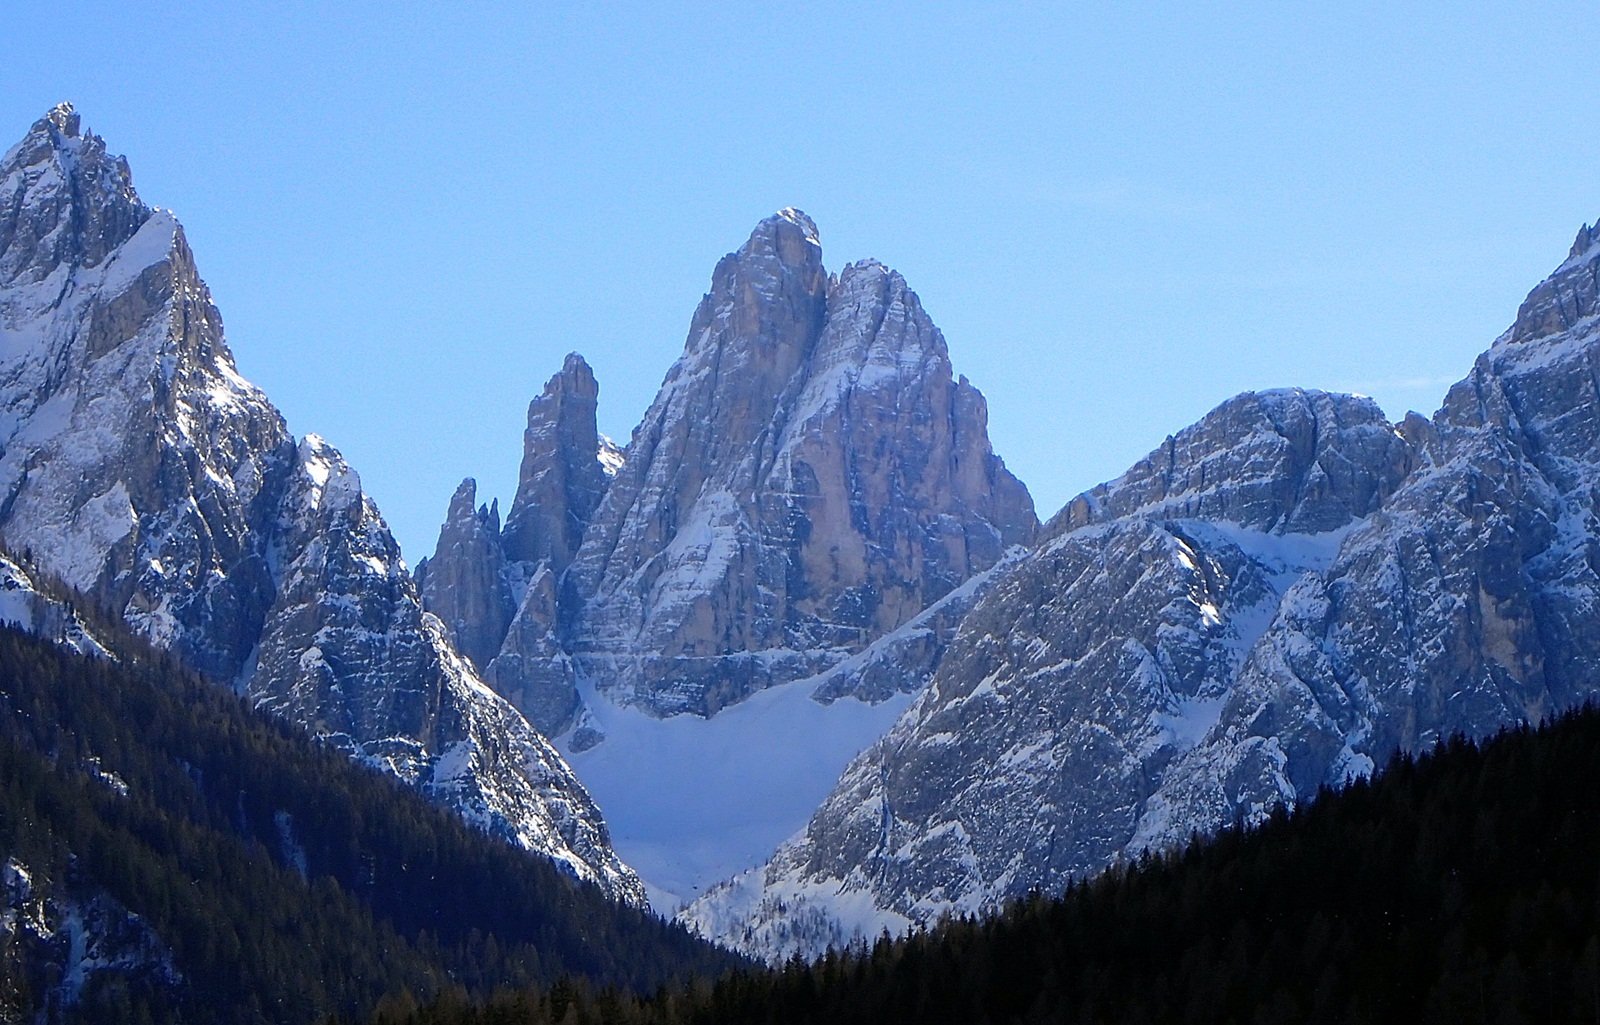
{"x": 498, "y": 589}
{"x": 1283, "y": 594}
{"x": 141, "y": 469}
{"x": 810, "y": 477}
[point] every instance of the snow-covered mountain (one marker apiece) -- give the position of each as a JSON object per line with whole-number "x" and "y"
{"x": 140, "y": 468}
{"x": 809, "y": 505}
{"x": 1274, "y": 600}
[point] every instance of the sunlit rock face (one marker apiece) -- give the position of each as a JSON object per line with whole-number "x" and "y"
{"x": 810, "y": 477}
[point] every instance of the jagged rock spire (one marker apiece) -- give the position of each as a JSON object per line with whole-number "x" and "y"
{"x": 464, "y": 583}
{"x": 561, "y": 479}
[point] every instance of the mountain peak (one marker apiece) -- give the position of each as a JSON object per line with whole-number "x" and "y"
{"x": 788, "y": 237}
{"x": 799, "y": 219}
{"x": 63, "y": 117}
{"x": 575, "y": 364}
{"x": 560, "y": 481}
{"x": 1588, "y": 237}
{"x": 575, "y": 378}
{"x": 1568, "y": 295}
{"x": 465, "y": 500}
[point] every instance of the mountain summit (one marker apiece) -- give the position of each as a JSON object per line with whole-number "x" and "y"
{"x": 810, "y": 477}
{"x": 139, "y": 467}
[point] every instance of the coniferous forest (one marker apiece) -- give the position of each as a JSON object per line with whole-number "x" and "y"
{"x": 254, "y": 876}
{"x": 1460, "y": 886}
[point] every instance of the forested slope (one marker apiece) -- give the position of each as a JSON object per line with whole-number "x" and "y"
{"x": 1459, "y": 886}
{"x": 170, "y": 854}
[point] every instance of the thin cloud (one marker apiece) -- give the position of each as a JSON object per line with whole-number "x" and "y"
{"x": 1388, "y": 384}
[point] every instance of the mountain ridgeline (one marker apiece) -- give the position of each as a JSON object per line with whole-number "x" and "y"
{"x": 1275, "y": 601}
{"x": 141, "y": 469}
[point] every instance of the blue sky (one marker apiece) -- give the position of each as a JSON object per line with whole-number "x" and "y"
{"x": 1118, "y": 214}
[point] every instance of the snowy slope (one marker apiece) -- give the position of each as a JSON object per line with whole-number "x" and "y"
{"x": 691, "y": 801}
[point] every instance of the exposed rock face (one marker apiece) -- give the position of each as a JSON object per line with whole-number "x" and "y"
{"x": 809, "y": 478}
{"x": 562, "y": 478}
{"x": 465, "y": 583}
{"x": 1469, "y": 601}
{"x": 1290, "y": 463}
{"x": 136, "y": 462}
{"x": 498, "y": 590}
{"x": 566, "y": 468}
{"x": 138, "y": 466}
{"x": 1275, "y": 600}
{"x": 1081, "y": 672}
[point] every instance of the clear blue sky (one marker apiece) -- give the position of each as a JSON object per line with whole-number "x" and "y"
{"x": 1119, "y": 214}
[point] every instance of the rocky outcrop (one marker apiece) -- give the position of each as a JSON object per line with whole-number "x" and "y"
{"x": 138, "y": 466}
{"x": 562, "y": 477}
{"x": 810, "y": 477}
{"x": 135, "y": 463}
{"x": 1289, "y": 462}
{"x": 465, "y": 583}
{"x": 1468, "y": 603}
{"x": 498, "y": 590}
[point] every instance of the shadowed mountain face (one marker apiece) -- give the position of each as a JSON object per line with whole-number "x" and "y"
{"x": 810, "y": 477}
{"x": 1275, "y": 599}
{"x": 137, "y": 465}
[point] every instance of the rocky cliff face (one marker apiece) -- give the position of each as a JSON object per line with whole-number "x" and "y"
{"x": 497, "y": 590}
{"x": 1276, "y": 599}
{"x": 1467, "y": 603}
{"x": 810, "y": 477}
{"x": 563, "y": 476}
{"x": 139, "y": 467}
{"x": 465, "y": 582}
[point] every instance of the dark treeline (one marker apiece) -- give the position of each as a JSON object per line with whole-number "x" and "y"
{"x": 1460, "y": 886}
{"x": 287, "y": 882}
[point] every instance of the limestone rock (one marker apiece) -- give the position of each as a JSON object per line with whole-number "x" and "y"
{"x": 465, "y": 582}
{"x": 562, "y": 478}
{"x": 810, "y": 477}
{"x": 498, "y": 591}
